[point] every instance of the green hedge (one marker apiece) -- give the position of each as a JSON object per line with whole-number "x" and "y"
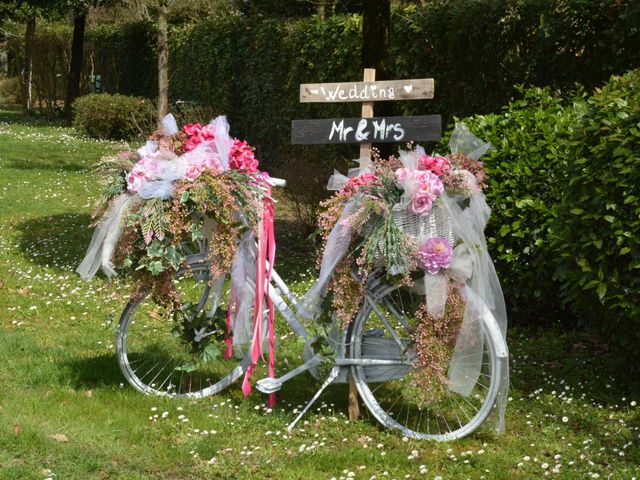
{"x": 526, "y": 179}
{"x": 125, "y": 56}
{"x": 565, "y": 193}
{"x": 598, "y": 223}
{"x": 476, "y": 51}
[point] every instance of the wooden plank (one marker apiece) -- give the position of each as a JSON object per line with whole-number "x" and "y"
{"x": 367, "y": 112}
{"x": 366, "y": 130}
{"x": 367, "y": 91}
{"x": 354, "y": 406}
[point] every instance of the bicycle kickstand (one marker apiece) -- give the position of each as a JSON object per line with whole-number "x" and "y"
{"x": 330, "y": 379}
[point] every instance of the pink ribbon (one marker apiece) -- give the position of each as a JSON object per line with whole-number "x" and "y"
{"x": 266, "y": 252}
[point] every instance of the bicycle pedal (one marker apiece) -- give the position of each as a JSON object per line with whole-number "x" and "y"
{"x": 269, "y": 385}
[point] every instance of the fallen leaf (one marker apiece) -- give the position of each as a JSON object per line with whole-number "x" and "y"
{"x": 17, "y": 429}
{"x": 88, "y": 394}
{"x": 23, "y": 291}
{"x": 59, "y": 437}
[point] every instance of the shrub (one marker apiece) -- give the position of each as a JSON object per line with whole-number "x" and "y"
{"x": 103, "y": 116}
{"x": 526, "y": 179}
{"x": 597, "y": 233}
{"x": 11, "y": 90}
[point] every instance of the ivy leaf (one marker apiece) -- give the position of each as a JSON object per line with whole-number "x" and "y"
{"x": 196, "y": 233}
{"x": 174, "y": 257}
{"x": 155, "y": 267}
{"x": 155, "y": 250}
{"x": 210, "y": 353}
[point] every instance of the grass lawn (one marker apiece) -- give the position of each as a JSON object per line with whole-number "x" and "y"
{"x": 66, "y": 414}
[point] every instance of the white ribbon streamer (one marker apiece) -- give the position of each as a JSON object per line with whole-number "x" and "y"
{"x": 105, "y": 238}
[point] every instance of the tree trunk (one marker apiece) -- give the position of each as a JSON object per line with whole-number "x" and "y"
{"x": 163, "y": 65}
{"x": 27, "y": 72}
{"x": 376, "y": 31}
{"x": 75, "y": 67}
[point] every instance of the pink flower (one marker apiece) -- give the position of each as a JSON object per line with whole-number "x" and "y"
{"x": 208, "y": 132}
{"x": 193, "y": 171}
{"x": 438, "y": 165}
{"x": 192, "y": 129}
{"x": 430, "y": 183}
{"x": 213, "y": 163}
{"x": 402, "y": 174}
{"x": 435, "y": 254}
{"x": 192, "y": 142}
{"x": 241, "y": 157}
{"x": 134, "y": 182}
{"x": 354, "y": 184}
{"x": 421, "y": 203}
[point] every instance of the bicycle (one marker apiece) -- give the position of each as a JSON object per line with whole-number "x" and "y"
{"x": 376, "y": 350}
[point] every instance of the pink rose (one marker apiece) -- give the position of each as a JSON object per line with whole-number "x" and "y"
{"x": 192, "y": 171}
{"x": 212, "y": 163}
{"x": 430, "y": 183}
{"x": 438, "y": 165}
{"x": 421, "y": 203}
{"x": 241, "y": 157}
{"x": 402, "y": 174}
{"x": 192, "y": 129}
{"x": 208, "y": 132}
{"x": 134, "y": 182}
{"x": 192, "y": 142}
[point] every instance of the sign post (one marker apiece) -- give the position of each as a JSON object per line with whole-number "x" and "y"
{"x": 367, "y": 129}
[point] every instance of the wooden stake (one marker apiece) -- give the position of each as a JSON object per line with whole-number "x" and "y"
{"x": 367, "y": 111}
{"x": 365, "y": 152}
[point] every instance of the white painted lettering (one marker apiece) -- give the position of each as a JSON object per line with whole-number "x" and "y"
{"x": 345, "y": 133}
{"x": 399, "y": 132}
{"x": 339, "y": 129}
{"x": 360, "y": 131}
{"x": 379, "y": 129}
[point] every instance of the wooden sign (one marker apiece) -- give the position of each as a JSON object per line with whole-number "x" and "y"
{"x": 366, "y": 130}
{"x": 368, "y": 91}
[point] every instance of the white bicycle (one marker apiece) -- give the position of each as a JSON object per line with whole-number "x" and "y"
{"x": 376, "y": 350}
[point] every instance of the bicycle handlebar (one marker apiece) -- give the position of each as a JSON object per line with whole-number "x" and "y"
{"x": 277, "y": 182}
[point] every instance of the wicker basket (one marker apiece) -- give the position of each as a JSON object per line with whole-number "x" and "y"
{"x": 421, "y": 228}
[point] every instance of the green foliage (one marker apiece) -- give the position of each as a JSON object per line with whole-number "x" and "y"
{"x": 100, "y": 115}
{"x": 526, "y": 172}
{"x": 598, "y": 225}
{"x": 11, "y": 90}
{"x": 124, "y": 55}
{"x": 50, "y": 64}
{"x": 564, "y": 188}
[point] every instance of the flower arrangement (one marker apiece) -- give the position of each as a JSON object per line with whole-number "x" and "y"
{"x": 184, "y": 186}
{"x": 395, "y": 218}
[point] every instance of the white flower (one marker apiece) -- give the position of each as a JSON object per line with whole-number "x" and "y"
{"x": 565, "y": 419}
{"x": 633, "y": 403}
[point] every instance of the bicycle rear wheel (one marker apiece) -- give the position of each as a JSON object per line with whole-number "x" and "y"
{"x": 161, "y": 356}
{"x": 384, "y": 330}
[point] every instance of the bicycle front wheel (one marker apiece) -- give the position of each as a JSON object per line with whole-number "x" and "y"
{"x": 384, "y": 329}
{"x": 185, "y": 357}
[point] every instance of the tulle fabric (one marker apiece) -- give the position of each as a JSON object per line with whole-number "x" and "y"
{"x": 105, "y": 238}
